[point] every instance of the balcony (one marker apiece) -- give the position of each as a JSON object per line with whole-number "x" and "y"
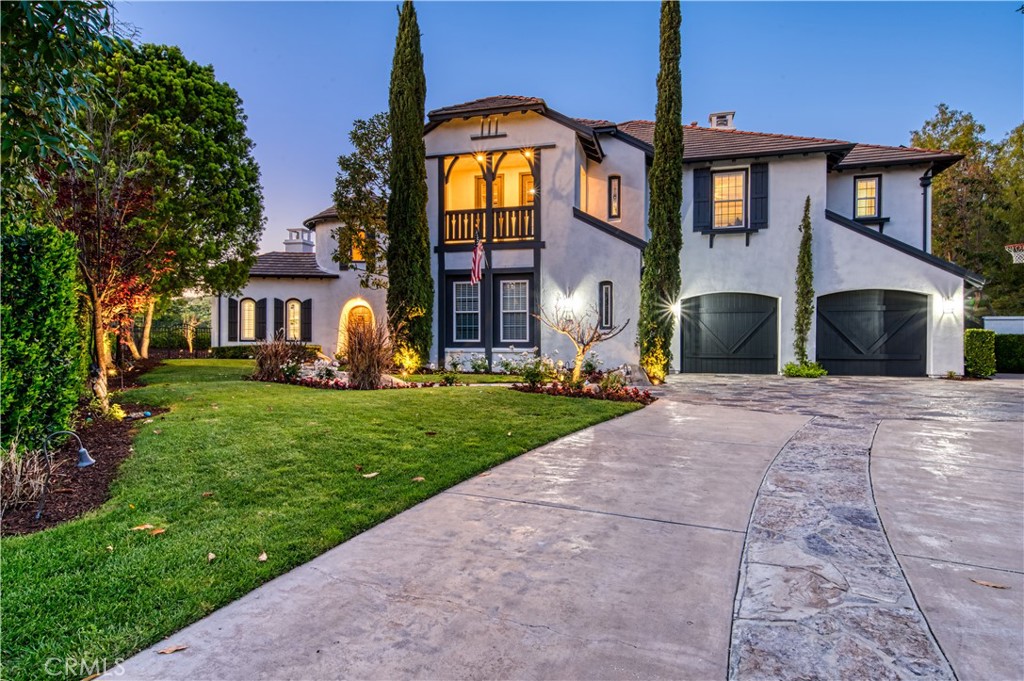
{"x": 515, "y": 223}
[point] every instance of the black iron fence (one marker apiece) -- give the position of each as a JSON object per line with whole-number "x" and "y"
{"x": 171, "y": 340}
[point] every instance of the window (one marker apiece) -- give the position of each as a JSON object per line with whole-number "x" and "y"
{"x": 614, "y": 187}
{"x": 583, "y": 187}
{"x": 728, "y": 194}
{"x": 605, "y": 305}
{"x": 526, "y": 191}
{"x": 293, "y": 317}
{"x": 357, "y": 252}
{"x": 467, "y": 311}
{"x": 867, "y": 196}
{"x": 497, "y": 192}
{"x": 515, "y": 311}
{"x": 247, "y": 323}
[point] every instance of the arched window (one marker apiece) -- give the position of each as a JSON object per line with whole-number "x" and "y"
{"x": 293, "y": 317}
{"x": 247, "y": 319}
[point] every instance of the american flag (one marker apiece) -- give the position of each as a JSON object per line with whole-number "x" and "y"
{"x": 478, "y": 262}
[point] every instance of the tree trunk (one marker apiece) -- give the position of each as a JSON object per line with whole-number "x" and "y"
{"x": 101, "y": 354}
{"x": 129, "y": 340}
{"x": 577, "y": 367}
{"x": 147, "y": 327}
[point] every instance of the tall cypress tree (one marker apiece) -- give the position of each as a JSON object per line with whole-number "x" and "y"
{"x": 661, "y": 280}
{"x": 410, "y": 284}
{"x": 804, "y": 288}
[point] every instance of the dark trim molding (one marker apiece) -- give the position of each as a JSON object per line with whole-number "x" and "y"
{"x": 878, "y": 198}
{"x": 495, "y": 246}
{"x": 325, "y": 275}
{"x": 474, "y": 152}
{"x": 853, "y": 225}
{"x": 611, "y": 230}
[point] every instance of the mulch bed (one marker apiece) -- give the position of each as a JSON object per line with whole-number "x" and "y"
{"x": 74, "y": 491}
{"x": 129, "y": 378}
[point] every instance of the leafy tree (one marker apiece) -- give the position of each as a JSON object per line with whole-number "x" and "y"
{"x": 1005, "y": 287}
{"x": 172, "y": 199}
{"x": 410, "y": 284}
{"x": 661, "y": 279}
{"x": 45, "y": 79}
{"x": 361, "y": 193}
{"x": 970, "y": 219}
{"x": 804, "y": 287}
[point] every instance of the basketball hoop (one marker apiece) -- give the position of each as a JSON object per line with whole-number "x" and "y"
{"x": 1017, "y": 252}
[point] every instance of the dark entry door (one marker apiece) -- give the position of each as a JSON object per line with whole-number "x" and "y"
{"x": 873, "y": 333}
{"x": 730, "y": 333}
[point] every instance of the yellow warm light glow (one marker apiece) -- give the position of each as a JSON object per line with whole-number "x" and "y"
{"x": 676, "y": 308}
{"x": 480, "y": 157}
{"x": 528, "y": 153}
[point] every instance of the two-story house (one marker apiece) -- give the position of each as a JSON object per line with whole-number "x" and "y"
{"x": 560, "y": 204}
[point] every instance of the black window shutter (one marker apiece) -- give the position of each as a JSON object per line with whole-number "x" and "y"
{"x": 306, "y": 321}
{"x": 278, "y": 316}
{"x": 232, "y": 319}
{"x": 759, "y": 196}
{"x": 261, "y": 319}
{"x": 701, "y": 199}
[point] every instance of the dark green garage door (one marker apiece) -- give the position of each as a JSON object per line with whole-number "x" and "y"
{"x": 730, "y": 333}
{"x": 873, "y": 333}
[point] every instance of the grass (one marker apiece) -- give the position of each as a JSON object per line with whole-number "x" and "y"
{"x": 281, "y": 463}
{"x": 469, "y": 378}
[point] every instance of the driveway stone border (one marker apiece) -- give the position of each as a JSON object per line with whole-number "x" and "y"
{"x": 821, "y": 594}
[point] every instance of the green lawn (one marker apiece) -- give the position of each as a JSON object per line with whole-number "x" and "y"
{"x": 469, "y": 378}
{"x": 281, "y": 463}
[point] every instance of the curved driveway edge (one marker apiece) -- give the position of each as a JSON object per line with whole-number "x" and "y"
{"x": 612, "y": 553}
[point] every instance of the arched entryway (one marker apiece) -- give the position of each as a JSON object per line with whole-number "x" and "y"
{"x": 355, "y": 311}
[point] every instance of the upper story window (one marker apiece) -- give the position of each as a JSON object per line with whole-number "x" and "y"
{"x": 867, "y": 196}
{"x": 293, "y": 320}
{"x": 247, "y": 314}
{"x": 526, "y": 189}
{"x": 357, "y": 253}
{"x": 729, "y": 193}
{"x": 614, "y": 191}
{"x": 467, "y": 311}
{"x": 605, "y": 305}
{"x": 497, "y": 192}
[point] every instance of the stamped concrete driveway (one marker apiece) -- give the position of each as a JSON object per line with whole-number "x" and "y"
{"x": 688, "y": 540}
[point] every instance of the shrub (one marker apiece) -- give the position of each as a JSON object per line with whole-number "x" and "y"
{"x": 42, "y": 358}
{"x": 449, "y": 377}
{"x": 479, "y": 364}
{"x": 303, "y": 352}
{"x": 271, "y": 357}
{"x": 537, "y": 371}
{"x": 370, "y": 354}
{"x": 1010, "y": 353}
{"x": 566, "y": 390}
{"x": 654, "y": 363}
{"x": 591, "y": 364}
{"x": 804, "y": 370}
{"x": 979, "y": 352}
{"x": 407, "y": 360}
{"x": 611, "y": 382}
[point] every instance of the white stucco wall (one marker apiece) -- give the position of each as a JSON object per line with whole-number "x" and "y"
{"x": 901, "y": 200}
{"x": 628, "y": 163}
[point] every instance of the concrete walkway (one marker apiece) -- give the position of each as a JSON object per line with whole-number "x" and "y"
{"x": 811, "y": 529}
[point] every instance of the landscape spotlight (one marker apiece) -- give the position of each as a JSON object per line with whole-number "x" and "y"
{"x": 84, "y": 461}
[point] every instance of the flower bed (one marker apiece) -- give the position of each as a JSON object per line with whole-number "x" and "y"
{"x": 623, "y": 394}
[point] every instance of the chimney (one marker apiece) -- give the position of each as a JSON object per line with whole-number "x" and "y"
{"x": 722, "y": 120}
{"x": 299, "y": 241}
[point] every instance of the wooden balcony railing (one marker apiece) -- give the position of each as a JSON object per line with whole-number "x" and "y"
{"x": 515, "y": 223}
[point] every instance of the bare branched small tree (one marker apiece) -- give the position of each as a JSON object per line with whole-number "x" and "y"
{"x": 583, "y": 329}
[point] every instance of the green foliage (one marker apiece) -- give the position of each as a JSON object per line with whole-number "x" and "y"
{"x": 448, "y": 377}
{"x": 361, "y": 193}
{"x": 979, "y": 352}
{"x": 537, "y": 371}
{"x": 1010, "y": 353}
{"x": 45, "y": 80}
{"x": 977, "y": 207}
{"x": 804, "y": 370}
{"x": 306, "y": 352}
{"x": 661, "y": 278}
{"x": 478, "y": 364}
{"x": 42, "y": 356}
{"x": 804, "y": 288}
{"x": 410, "y": 283}
{"x": 655, "y": 364}
{"x": 281, "y": 484}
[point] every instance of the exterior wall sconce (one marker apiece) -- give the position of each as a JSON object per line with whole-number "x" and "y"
{"x": 84, "y": 461}
{"x": 948, "y": 306}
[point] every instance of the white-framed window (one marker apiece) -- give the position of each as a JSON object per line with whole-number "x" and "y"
{"x": 515, "y": 311}
{"x": 729, "y": 198}
{"x": 247, "y": 319}
{"x": 605, "y": 305}
{"x": 467, "y": 311}
{"x": 293, "y": 320}
{"x": 867, "y": 196}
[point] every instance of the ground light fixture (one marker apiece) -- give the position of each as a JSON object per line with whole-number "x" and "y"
{"x": 84, "y": 461}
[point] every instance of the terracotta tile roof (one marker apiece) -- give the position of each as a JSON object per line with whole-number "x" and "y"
{"x": 296, "y": 265}
{"x": 867, "y": 155}
{"x": 497, "y": 102}
{"x": 707, "y": 144}
{"x": 595, "y": 122}
{"x": 329, "y": 213}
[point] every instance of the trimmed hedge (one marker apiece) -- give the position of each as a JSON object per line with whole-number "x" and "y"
{"x": 42, "y": 357}
{"x": 305, "y": 352}
{"x": 1010, "y": 353}
{"x": 979, "y": 352}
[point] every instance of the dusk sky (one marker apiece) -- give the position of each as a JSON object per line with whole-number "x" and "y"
{"x": 865, "y": 72}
